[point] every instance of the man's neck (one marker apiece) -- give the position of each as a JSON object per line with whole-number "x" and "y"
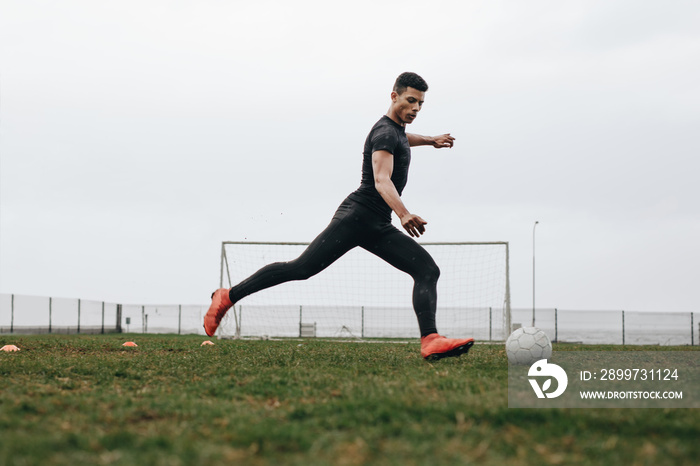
{"x": 392, "y": 115}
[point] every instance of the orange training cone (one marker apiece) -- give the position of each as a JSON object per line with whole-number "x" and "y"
{"x": 9, "y": 348}
{"x": 130, "y": 343}
{"x": 204, "y": 343}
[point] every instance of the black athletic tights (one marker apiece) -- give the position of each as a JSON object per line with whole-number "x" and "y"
{"x": 356, "y": 225}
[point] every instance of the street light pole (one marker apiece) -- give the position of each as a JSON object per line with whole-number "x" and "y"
{"x": 533, "y": 272}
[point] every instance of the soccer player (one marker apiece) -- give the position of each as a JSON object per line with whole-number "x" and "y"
{"x": 364, "y": 219}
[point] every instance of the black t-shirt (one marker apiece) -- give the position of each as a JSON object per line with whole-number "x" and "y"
{"x": 386, "y": 135}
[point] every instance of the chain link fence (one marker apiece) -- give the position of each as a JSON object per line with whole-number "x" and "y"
{"x": 22, "y": 314}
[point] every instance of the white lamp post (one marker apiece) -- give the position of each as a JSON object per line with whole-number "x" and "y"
{"x": 533, "y": 272}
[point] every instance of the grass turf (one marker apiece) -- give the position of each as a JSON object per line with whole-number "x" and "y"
{"x": 88, "y": 400}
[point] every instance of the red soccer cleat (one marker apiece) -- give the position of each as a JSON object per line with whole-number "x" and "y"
{"x": 434, "y": 346}
{"x": 220, "y": 303}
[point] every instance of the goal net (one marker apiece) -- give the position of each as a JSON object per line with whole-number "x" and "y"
{"x": 362, "y": 296}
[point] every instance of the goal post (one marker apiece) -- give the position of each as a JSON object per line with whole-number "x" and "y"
{"x": 362, "y": 296}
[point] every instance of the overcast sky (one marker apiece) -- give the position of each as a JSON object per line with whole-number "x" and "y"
{"x": 135, "y": 136}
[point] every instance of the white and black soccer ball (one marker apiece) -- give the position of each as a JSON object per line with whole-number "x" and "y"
{"x": 527, "y": 345}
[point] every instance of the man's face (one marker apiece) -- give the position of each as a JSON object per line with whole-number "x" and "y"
{"x": 408, "y": 104}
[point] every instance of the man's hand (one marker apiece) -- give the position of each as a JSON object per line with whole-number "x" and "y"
{"x": 444, "y": 140}
{"x": 413, "y": 224}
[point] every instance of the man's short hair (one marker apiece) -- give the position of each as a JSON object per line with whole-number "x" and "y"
{"x": 409, "y": 79}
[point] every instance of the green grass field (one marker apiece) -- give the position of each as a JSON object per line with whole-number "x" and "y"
{"x": 69, "y": 400}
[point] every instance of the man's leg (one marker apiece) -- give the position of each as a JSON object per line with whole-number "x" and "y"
{"x": 339, "y": 237}
{"x": 328, "y": 247}
{"x": 408, "y": 256}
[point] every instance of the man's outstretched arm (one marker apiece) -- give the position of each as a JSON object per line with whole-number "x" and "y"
{"x": 444, "y": 140}
{"x": 383, "y": 166}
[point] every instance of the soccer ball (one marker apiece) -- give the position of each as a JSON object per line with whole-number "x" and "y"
{"x": 527, "y": 345}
